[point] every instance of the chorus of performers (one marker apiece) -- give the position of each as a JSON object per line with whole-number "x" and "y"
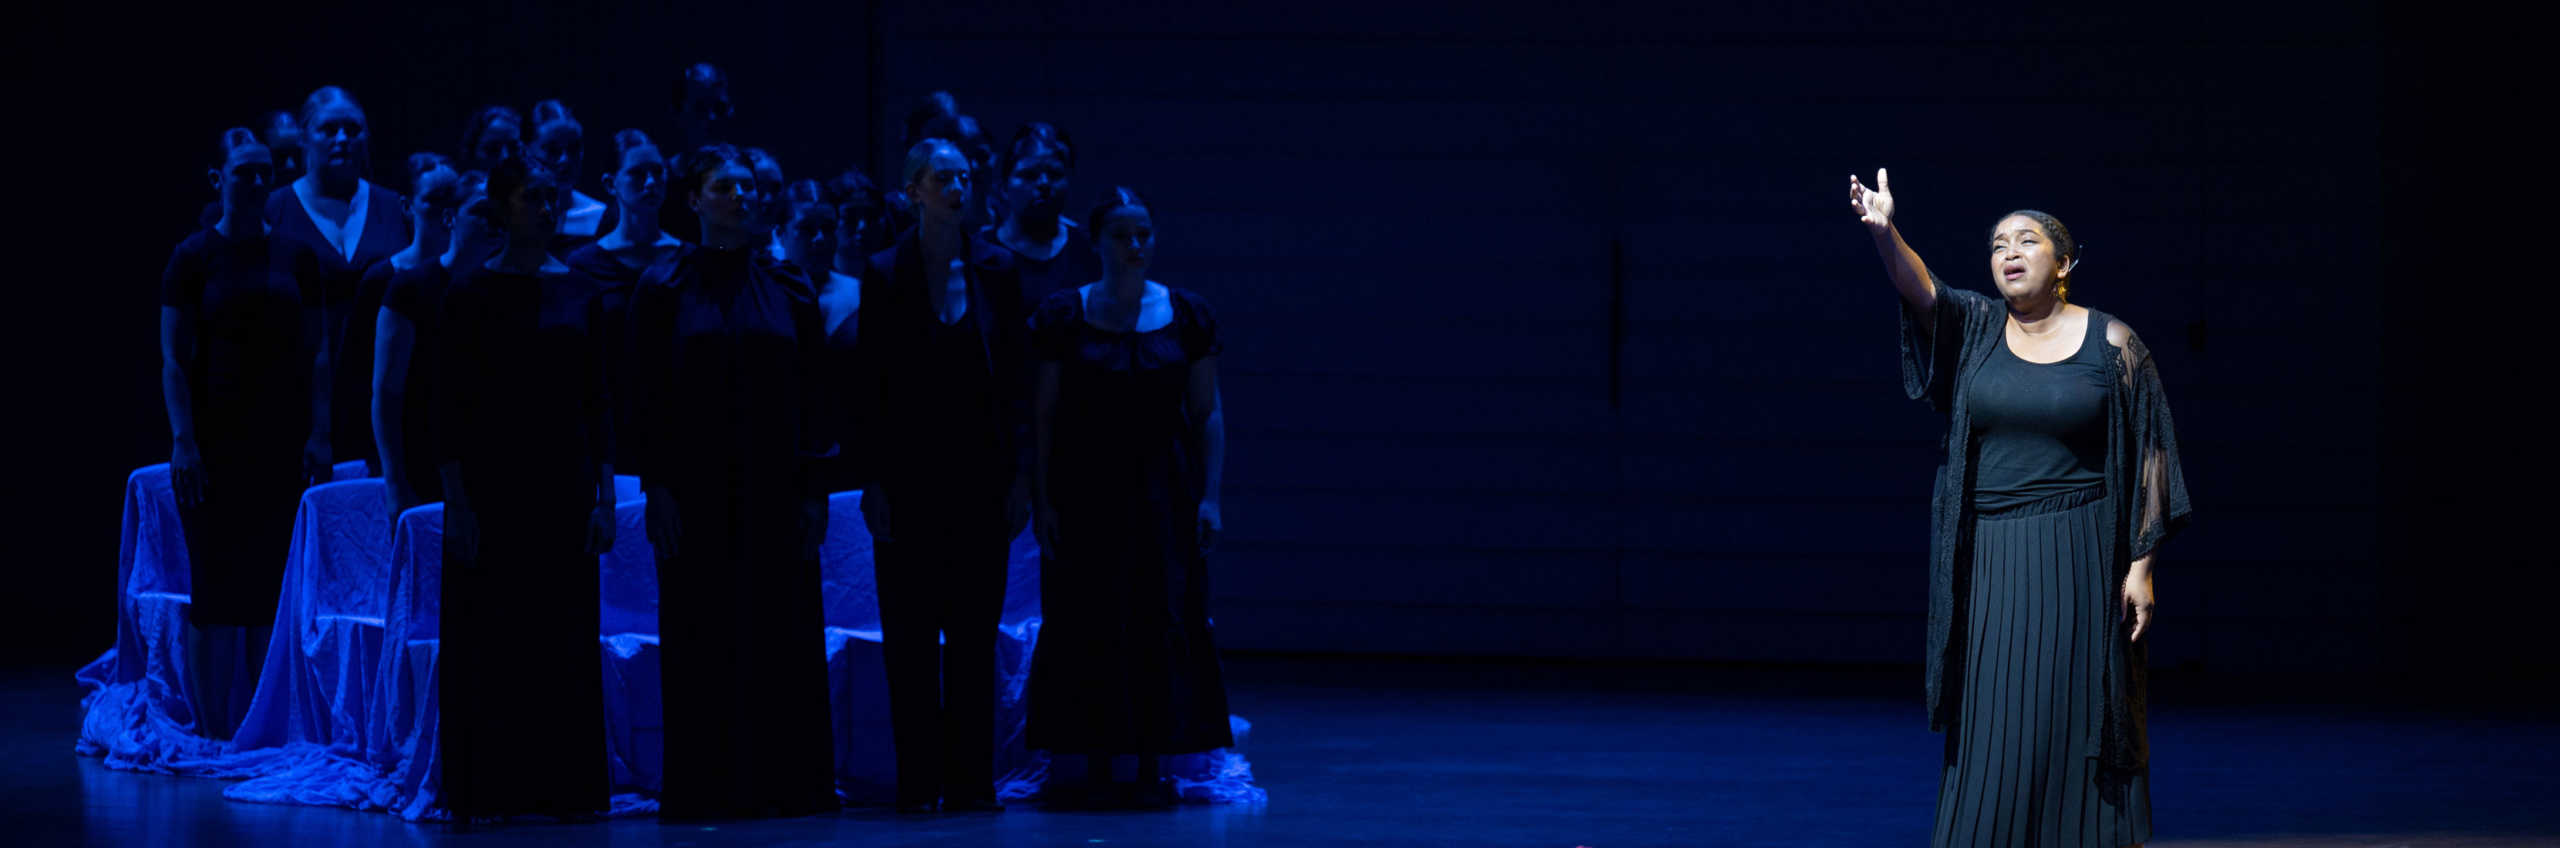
{"x": 501, "y": 334}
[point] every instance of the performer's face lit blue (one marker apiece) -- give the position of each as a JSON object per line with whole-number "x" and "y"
{"x": 943, "y": 187}
{"x": 1128, "y": 239}
{"x": 854, "y": 231}
{"x": 2023, "y": 263}
{"x": 768, "y": 173}
{"x": 336, "y": 136}
{"x": 563, "y": 149}
{"x": 809, "y": 238}
{"x": 245, "y": 176}
{"x": 727, "y": 200}
{"x": 499, "y": 142}
{"x": 1038, "y": 185}
{"x": 284, "y": 141}
{"x": 641, "y": 182}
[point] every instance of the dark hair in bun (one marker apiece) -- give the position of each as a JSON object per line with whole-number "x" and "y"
{"x": 1121, "y": 197}
{"x": 550, "y": 112}
{"x": 629, "y": 140}
{"x": 236, "y": 138}
{"x": 479, "y": 125}
{"x": 423, "y": 162}
{"x": 323, "y": 98}
{"x": 1038, "y": 135}
{"x": 505, "y": 179}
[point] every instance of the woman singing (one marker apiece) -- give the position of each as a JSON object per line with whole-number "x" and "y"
{"x": 2061, "y": 483}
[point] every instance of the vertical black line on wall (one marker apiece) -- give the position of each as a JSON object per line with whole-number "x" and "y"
{"x": 1618, "y": 641}
{"x": 1617, "y": 320}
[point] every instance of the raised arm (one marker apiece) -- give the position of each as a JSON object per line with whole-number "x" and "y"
{"x": 1910, "y": 276}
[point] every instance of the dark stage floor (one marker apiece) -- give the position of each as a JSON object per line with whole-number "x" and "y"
{"x": 1414, "y": 753}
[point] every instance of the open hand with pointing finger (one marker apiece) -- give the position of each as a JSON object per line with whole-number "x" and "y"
{"x": 1874, "y": 206}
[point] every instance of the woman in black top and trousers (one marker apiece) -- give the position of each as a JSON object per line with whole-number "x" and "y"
{"x": 2060, "y": 485}
{"x": 941, "y": 432}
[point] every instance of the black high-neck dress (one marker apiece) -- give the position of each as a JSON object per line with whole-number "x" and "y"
{"x": 730, "y": 422}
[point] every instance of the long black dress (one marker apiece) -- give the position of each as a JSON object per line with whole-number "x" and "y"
{"x": 522, "y": 682}
{"x": 250, "y": 392}
{"x": 417, "y": 294}
{"x": 2038, "y": 605}
{"x": 1126, "y": 662}
{"x": 618, "y": 281}
{"x": 730, "y": 422}
{"x": 2058, "y": 476}
{"x": 336, "y": 276}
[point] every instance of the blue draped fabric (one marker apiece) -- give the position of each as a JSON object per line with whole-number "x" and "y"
{"x": 141, "y": 711}
{"x": 345, "y": 711}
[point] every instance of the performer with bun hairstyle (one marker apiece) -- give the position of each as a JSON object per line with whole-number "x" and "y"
{"x": 1131, "y": 444}
{"x": 238, "y": 338}
{"x": 435, "y": 197}
{"x": 616, "y": 261}
{"x": 2060, "y": 485}
{"x": 560, "y": 143}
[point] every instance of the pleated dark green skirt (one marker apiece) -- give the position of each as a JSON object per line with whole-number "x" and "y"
{"x": 2020, "y": 765}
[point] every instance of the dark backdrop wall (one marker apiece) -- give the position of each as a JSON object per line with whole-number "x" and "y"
{"x": 1551, "y": 334}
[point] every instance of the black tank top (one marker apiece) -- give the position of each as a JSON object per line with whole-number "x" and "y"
{"x": 2039, "y": 429}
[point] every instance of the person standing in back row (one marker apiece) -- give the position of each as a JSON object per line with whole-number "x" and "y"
{"x": 334, "y": 223}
